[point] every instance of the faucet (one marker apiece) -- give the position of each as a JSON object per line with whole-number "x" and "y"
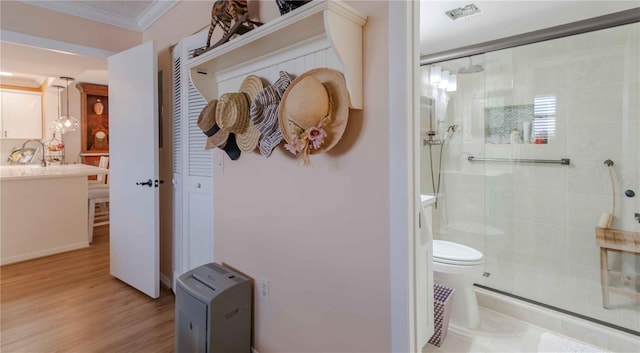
{"x": 44, "y": 162}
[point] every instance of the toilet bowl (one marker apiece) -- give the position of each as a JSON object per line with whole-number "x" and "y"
{"x": 458, "y": 266}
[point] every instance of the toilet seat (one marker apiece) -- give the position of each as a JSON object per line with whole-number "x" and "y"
{"x": 447, "y": 252}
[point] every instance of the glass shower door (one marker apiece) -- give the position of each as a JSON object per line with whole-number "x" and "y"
{"x": 523, "y": 178}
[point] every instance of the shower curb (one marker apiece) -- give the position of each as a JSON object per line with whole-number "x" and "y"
{"x": 598, "y": 335}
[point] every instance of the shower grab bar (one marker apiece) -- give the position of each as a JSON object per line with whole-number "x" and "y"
{"x": 562, "y": 161}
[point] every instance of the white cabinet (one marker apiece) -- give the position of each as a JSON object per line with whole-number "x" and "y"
{"x": 192, "y": 168}
{"x": 21, "y": 114}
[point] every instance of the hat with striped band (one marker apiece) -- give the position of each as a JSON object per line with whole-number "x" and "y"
{"x": 207, "y": 123}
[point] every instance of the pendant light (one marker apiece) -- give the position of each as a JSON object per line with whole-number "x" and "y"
{"x": 66, "y": 123}
{"x": 54, "y": 124}
{"x": 58, "y": 87}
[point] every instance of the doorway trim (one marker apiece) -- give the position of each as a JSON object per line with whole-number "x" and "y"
{"x": 404, "y": 57}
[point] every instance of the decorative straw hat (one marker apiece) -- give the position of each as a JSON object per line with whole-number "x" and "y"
{"x": 264, "y": 114}
{"x": 232, "y": 113}
{"x": 314, "y": 112}
{"x": 207, "y": 123}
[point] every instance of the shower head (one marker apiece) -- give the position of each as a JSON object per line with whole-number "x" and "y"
{"x": 470, "y": 69}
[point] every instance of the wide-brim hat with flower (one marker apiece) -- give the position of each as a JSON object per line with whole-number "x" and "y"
{"x": 207, "y": 123}
{"x": 232, "y": 113}
{"x": 314, "y": 111}
{"x": 264, "y": 113}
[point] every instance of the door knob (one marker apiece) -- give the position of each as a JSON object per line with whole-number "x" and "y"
{"x": 148, "y": 183}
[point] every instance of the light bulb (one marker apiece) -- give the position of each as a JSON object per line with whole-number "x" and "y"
{"x": 67, "y": 123}
{"x": 453, "y": 83}
{"x": 435, "y": 75}
{"x": 444, "y": 82}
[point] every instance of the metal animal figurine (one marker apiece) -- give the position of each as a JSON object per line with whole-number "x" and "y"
{"x": 286, "y": 6}
{"x": 223, "y": 13}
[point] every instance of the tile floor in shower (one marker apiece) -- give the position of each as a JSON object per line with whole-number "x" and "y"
{"x": 499, "y": 333}
{"x": 581, "y": 294}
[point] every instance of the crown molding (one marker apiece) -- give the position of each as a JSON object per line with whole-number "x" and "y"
{"x": 53, "y": 45}
{"x": 139, "y": 24}
{"x": 154, "y": 12}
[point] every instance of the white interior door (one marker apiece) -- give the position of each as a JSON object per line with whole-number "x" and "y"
{"x": 133, "y": 124}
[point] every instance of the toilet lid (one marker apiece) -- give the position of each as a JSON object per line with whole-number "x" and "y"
{"x": 446, "y": 250}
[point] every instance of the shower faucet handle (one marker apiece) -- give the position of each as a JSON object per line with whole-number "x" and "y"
{"x": 637, "y": 216}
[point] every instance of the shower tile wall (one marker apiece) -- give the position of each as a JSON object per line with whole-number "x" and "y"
{"x": 535, "y": 223}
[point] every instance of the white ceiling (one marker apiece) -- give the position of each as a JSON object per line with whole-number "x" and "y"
{"x": 135, "y": 15}
{"x": 32, "y": 65}
{"x": 500, "y": 19}
{"x": 438, "y": 32}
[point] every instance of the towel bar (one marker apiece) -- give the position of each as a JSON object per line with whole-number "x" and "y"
{"x": 562, "y": 161}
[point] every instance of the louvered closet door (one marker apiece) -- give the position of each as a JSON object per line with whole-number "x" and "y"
{"x": 197, "y": 174}
{"x": 178, "y": 157}
{"x": 198, "y": 188}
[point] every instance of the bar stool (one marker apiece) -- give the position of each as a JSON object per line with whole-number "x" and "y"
{"x": 101, "y": 178}
{"x": 98, "y": 195}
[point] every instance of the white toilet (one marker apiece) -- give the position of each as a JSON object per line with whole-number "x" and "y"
{"x": 458, "y": 266}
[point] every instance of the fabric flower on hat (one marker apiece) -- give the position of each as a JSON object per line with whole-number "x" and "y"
{"x": 316, "y": 136}
{"x": 305, "y": 140}
{"x": 297, "y": 145}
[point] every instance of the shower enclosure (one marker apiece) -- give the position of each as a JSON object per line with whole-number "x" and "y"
{"x": 522, "y": 176}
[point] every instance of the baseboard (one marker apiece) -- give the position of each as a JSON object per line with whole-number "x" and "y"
{"x": 175, "y": 277}
{"x": 166, "y": 281}
{"x": 598, "y": 335}
{"x": 42, "y": 253}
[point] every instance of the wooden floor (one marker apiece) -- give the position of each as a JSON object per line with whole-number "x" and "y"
{"x": 70, "y": 303}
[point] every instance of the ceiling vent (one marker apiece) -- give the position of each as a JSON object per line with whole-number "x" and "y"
{"x": 464, "y": 11}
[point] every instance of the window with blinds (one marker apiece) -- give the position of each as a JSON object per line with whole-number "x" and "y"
{"x": 544, "y": 113}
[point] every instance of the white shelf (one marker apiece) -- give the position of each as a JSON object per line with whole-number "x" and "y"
{"x": 331, "y": 21}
